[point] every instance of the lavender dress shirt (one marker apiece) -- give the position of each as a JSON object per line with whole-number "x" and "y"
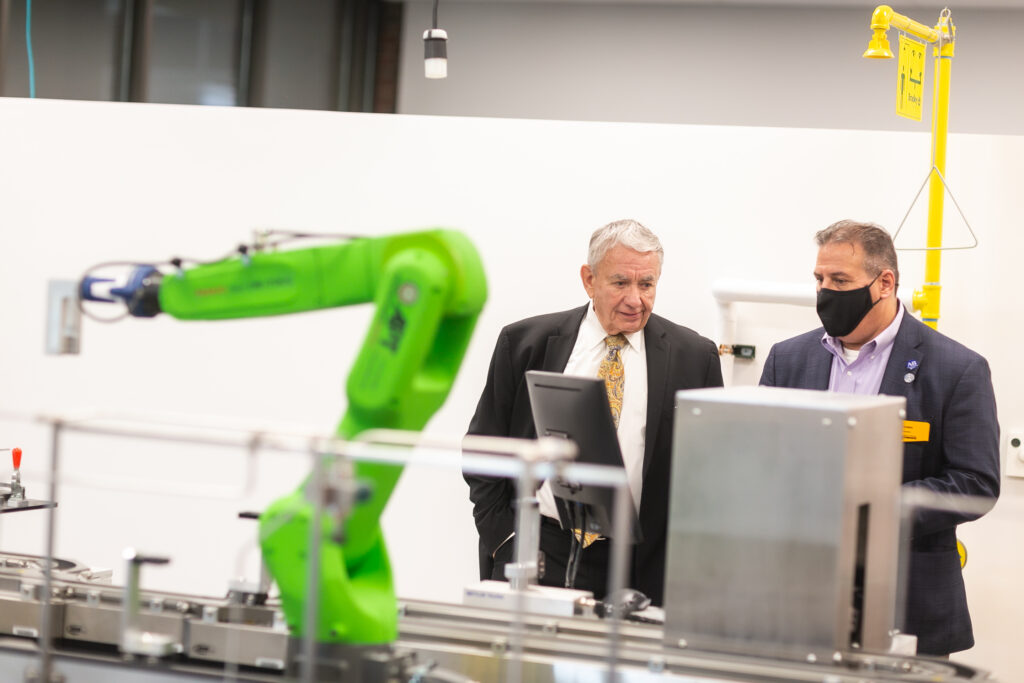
{"x": 864, "y": 375}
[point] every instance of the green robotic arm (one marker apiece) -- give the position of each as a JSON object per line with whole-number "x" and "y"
{"x": 428, "y": 288}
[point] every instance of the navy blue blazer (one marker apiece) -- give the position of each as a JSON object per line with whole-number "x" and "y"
{"x": 952, "y": 392}
{"x": 677, "y": 358}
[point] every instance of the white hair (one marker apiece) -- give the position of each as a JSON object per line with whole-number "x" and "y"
{"x": 628, "y": 233}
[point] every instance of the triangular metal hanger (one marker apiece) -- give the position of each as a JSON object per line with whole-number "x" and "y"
{"x": 935, "y": 169}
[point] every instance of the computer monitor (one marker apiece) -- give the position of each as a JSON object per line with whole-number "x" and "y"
{"x": 576, "y": 408}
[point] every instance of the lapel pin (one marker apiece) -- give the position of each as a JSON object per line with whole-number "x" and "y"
{"x": 908, "y": 378}
{"x": 911, "y": 365}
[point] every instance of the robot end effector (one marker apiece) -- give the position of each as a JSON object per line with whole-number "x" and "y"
{"x": 141, "y": 291}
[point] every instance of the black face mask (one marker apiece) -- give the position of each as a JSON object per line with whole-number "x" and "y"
{"x": 842, "y": 310}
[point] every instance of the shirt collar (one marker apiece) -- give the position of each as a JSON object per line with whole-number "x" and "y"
{"x": 592, "y": 333}
{"x": 883, "y": 341}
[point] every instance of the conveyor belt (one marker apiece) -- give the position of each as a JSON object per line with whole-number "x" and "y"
{"x": 219, "y": 640}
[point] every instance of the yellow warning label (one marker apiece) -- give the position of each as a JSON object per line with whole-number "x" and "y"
{"x": 910, "y": 86}
{"x": 915, "y": 431}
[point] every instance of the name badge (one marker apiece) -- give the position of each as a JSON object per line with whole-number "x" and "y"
{"x": 915, "y": 431}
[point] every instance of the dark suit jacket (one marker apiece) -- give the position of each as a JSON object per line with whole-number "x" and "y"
{"x": 677, "y": 358}
{"x": 952, "y": 391}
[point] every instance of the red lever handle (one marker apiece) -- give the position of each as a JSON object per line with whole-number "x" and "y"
{"x": 16, "y": 456}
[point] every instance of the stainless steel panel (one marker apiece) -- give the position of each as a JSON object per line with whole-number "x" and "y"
{"x": 245, "y": 645}
{"x": 102, "y": 623}
{"x": 769, "y": 489}
{"x": 19, "y": 617}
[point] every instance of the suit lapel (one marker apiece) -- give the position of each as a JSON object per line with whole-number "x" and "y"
{"x": 656, "y": 345}
{"x": 819, "y": 366}
{"x": 906, "y": 350}
{"x": 559, "y": 346}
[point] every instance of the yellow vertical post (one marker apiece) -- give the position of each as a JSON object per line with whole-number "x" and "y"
{"x": 927, "y": 298}
{"x": 942, "y": 37}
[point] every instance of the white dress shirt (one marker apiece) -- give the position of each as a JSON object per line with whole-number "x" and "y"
{"x": 585, "y": 361}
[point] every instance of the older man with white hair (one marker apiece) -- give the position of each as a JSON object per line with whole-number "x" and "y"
{"x": 643, "y": 358}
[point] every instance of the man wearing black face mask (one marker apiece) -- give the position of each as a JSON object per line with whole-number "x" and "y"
{"x": 869, "y": 344}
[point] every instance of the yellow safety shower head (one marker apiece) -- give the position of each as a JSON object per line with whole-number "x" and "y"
{"x": 878, "y": 46}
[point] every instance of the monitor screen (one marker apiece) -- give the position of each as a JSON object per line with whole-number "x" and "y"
{"x": 577, "y": 408}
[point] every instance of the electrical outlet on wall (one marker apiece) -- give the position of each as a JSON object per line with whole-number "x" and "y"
{"x": 1014, "y": 462}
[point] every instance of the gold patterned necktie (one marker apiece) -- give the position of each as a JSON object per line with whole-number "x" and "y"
{"x": 614, "y": 383}
{"x": 612, "y": 374}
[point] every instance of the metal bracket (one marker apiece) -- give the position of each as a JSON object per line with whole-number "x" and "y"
{"x": 63, "y": 318}
{"x": 136, "y": 640}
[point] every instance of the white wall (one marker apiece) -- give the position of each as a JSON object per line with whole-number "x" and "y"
{"x": 90, "y": 182}
{"x": 718, "y": 64}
